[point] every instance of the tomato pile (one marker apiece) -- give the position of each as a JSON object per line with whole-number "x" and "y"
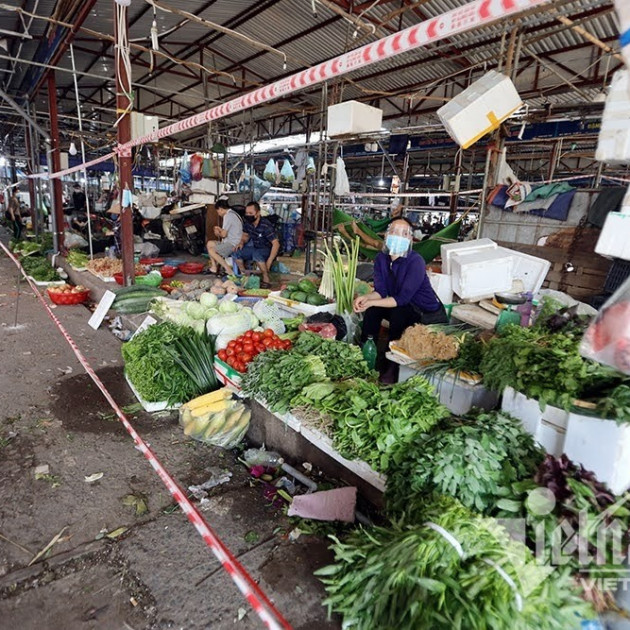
{"x": 240, "y": 352}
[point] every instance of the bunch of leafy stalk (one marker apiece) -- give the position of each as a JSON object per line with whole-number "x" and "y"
{"x": 152, "y": 365}
{"x": 277, "y": 377}
{"x": 342, "y": 360}
{"x": 476, "y": 459}
{"x": 451, "y": 570}
{"x": 39, "y": 269}
{"x": 372, "y": 421}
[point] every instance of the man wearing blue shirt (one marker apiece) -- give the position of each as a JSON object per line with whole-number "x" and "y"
{"x": 259, "y": 243}
{"x": 402, "y": 294}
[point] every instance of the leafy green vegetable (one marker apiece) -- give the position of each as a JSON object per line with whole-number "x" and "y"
{"x": 152, "y": 368}
{"x": 475, "y": 460}
{"x": 39, "y": 269}
{"x": 342, "y": 360}
{"x": 278, "y": 376}
{"x": 371, "y": 421}
{"x": 412, "y": 577}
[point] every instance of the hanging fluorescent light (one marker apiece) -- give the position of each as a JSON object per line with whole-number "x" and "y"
{"x": 521, "y": 132}
{"x": 73, "y": 149}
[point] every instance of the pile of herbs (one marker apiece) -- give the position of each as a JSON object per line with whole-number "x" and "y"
{"x": 278, "y": 376}
{"x": 154, "y": 365}
{"x": 39, "y": 269}
{"x": 546, "y": 365}
{"x": 342, "y": 360}
{"x": 576, "y": 498}
{"x": 446, "y": 571}
{"x": 476, "y": 459}
{"x": 369, "y": 420}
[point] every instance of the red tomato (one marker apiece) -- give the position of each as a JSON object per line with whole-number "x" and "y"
{"x": 248, "y": 334}
{"x": 261, "y": 347}
{"x": 248, "y": 347}
{"x": 268, "y": 333}
{"x": 256, "y": 336}
{"x": 231, "y": 361}
{"x": 239, "y": 366}
{"x": 246, "y": 358}
{"x": 267, "y": 341}
{"x": 230, "y": 352}
{"x": 287, "y": 344}
{"x": 222, "y": 354}
{"x": 238, "y": 347}
{"x": 278, "y": 344}
{"x": 232, "y": 343}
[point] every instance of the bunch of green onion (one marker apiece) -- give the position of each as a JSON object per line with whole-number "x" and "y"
{"x": 344, "y": 275}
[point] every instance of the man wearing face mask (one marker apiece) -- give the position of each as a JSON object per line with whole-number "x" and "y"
{"x": 259, "y": 243}
{"x": 402, "y": 294}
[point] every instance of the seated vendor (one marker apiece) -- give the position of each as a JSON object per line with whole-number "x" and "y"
{"x": 402, "y": 294}
{"x": 259, "y": 243}
{"x": 230, "y": 234}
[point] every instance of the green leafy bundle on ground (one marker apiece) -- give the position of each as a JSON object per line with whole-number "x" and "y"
{"x": 452, "y": 570}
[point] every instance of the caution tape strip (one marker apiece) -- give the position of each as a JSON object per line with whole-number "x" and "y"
{"x": 261, "y": 604}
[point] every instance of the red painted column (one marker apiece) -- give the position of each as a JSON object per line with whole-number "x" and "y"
{"x": 123, "y": 87}
{"x": 56, "y": 160}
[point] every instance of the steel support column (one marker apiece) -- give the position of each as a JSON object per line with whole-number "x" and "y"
{"x": 54, "y": 164}
{"x": 30, "y": 169}
{"x": 123, "y": 88}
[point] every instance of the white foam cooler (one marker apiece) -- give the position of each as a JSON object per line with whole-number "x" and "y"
{"x": 480, "y": 274}
{"x": 480, "y": 108}
{"x": 352, "y": 117}
{"x": 614, "y": 136}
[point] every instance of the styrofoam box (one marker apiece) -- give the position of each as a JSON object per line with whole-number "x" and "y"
{"x": 294, "y": 307}
{"x": 353, "y": 117}
{"x": 480, "y": 108}
{"x": 150, "y": 407}
{"x": 447, "y": 251}
{"x": 442, "y": 285}
{"x": 548, "y": 427}
{"x": 530, "y": 269}
{"x": 614, "y": 239}
{"x": 481, "y": 274}
{"x": 614, "y": 136}
{"x": 602, "y": 446}
{"x": 458, "y": 396}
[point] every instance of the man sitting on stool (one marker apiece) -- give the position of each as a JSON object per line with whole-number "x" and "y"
{"x": 230, "y": 234}
{"x": 259, "y": 243}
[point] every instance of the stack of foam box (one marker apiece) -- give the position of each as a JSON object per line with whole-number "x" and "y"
{"x": 598, "y": 444}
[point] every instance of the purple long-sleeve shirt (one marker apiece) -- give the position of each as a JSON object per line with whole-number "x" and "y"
{"x": 405, "y": 279}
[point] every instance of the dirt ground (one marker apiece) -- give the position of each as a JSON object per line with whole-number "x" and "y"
{"x": 154, "y": 571}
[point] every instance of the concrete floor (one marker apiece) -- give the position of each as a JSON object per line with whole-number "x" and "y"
{"x": 159, "y": 573}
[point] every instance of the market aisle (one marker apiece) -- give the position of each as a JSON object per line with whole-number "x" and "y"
{"x": 158, "y": 573}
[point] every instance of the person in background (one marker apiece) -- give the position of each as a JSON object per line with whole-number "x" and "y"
{"x": 230, "y": 233}
{"x": 259, "y": 243}
{"x": 14, "y": 215}
{"x": 402, "y": 294}
{"x": 78, "y": 199}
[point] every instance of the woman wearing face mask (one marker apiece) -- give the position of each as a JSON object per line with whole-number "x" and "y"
{"x": 402, "y": 291}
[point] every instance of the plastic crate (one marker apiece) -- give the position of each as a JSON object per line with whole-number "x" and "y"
{"x": 617, "y": 275}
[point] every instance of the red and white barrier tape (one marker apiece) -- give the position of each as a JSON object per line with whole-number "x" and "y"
{"x": 472, "y": 15}
{"x": 261, "y": 604}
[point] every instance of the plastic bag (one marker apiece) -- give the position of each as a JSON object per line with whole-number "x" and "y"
{"x": 270, "y": 171}
{"x": 326, "y": 331}
{"x": 607, "y": 339}
{"x": 342, "y": 184}
{"x": 196, "y": 165}
{"x": 184, "y": 170}
{"x": 72, "y": 239}
{"x": 310, "y": 166}
{"x": 287, "y": 176}
{"x": 225, "y": 427}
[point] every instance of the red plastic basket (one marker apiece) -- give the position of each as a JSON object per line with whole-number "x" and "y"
{"x": 152, "y": 261}
{"x": 67, "y": 299}
{"x": 168, "y": 271}
{"x": 191, "y": 267}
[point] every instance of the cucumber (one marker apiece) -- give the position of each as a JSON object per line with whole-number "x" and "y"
{"x": 136, "y": 288}
{"x": 131, "y": 306}
{"x": 136, "y": 295}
